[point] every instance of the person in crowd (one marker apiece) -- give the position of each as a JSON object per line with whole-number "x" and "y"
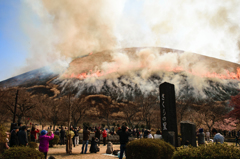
{"x": 94, "y": 148}
{"x": 186, "y": 144}
{"x": 4, "y": 144}
{"x": 57, "y": 132}
{"x": 149, "y": 135}
{"x": 14, "y": 137}
{"x": 20, "y": 126}
{"x": 236, "y": 139}
{"x": 22, "y": 136}
{"x": 76, "y": 137}
{"x": 208, "y": 136}
{"x": 44, "y": 142}
{"x": 97, "y": 135}
{"x": 109, "y": 148}
{"x": 86, "y": 134}
{"x": 217, "y": 136}
{"x": 137, "y": 133}
{"x": 158, "y": 135}
{"x": 113, "y": 130}
{"x": 62, "y": 136}
{"x": 104, "y": 135}
{"x": 201, "y": 137}
{"x": 70, "y": 136}
{"x": 33, "y": 133}
{"x": 145, "y": 134}
{"x": 123, "y": 136}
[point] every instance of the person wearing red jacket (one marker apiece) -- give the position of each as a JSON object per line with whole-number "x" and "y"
{"x": 104, "y": 135}
{"x": 34, "y": 132}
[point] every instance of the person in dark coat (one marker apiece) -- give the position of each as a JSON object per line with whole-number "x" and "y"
{"x": 123, "y": 135}
{"x": 22, "y": 136}
{"x": 62, "y": 136}
{"x": 138, "y": 133}
{"x": 94, "y": 148}
{"x": 14, "y": 137}
{"x": 97, "y": 135}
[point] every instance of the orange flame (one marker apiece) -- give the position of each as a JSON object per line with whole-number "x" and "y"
{"x": 227, "y": 75}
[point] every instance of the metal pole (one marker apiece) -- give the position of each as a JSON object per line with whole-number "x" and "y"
{"x": 15, "y": 107}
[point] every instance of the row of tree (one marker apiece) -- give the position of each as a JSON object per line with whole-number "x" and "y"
{"x": 133, "y": 107}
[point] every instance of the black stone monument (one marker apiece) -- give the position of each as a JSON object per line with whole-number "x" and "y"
{"x": 188, "y": 132}
{"x": 168, "y": 112}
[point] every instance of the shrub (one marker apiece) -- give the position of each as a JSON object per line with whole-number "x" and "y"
{"x": 3, "y": 134}
{"x": 54, "y": 141}
{"x": 210, "y": 151}
{"x": 3, "y": 137}
{"x": 22, "y": 152}
{"x": 33, "y": 145}
{"x": 149, "y": 148}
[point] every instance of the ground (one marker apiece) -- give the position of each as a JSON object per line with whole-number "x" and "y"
{"x": 59, "y": 151}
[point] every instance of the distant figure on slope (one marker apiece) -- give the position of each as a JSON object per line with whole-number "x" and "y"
{"x": 217, "y": 137}
{"x": 44, "y": 142}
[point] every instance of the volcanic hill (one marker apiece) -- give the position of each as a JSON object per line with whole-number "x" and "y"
{"x": 136, "y": 68}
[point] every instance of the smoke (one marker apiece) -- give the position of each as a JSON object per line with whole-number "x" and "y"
{"x": 207, "y": 28}
{"x": 146, "y": 69}
{"x": 63, "y": 30}
{"x": 68, "y": 29}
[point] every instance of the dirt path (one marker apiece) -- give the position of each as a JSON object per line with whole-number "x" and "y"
{"x": 59, "y": 152}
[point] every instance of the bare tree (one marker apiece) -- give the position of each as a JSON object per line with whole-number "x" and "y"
{"x": 26, "y": 102}
{"x": 148, "y": 104}
{"x": 79, "y": 108}
{"x": 130, "y": 109}
{"x": 211, "y": 111}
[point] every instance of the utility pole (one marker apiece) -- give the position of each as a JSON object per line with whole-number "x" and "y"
{"x": 15, "y": 107}
{"x": 69, "y": 140}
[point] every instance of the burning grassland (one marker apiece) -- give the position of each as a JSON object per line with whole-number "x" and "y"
{"x": 145, "y": 68}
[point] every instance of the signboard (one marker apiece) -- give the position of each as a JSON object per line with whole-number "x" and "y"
{"x": 168, "y": 110}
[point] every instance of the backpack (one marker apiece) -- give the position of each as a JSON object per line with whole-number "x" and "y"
{"x": 115, "y": 152}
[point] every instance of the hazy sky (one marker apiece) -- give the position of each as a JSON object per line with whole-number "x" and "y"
{"x": 34, "y": 34}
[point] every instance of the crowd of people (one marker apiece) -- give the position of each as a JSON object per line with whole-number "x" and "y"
{"x": 20, "y": 137}
{"x": 218, "y": 138}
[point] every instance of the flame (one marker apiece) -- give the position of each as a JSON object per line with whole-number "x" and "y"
{"x": 227, "y": 75}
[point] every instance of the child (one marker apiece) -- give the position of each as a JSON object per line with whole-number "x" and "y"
{"x": 44, "y": 142}
{"x": 94, "y": 148}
